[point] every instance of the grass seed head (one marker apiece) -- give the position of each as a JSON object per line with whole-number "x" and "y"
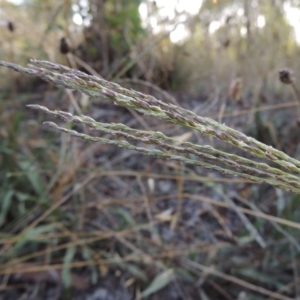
{"x": 286, "y": 76}
{"x": 64, "y": 46}
{"x": 10, "y": 26}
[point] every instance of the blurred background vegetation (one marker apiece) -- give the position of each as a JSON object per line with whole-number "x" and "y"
{"x": 89, "y": 221}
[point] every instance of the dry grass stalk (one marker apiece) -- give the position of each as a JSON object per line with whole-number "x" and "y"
{"x": 286, "y": 76}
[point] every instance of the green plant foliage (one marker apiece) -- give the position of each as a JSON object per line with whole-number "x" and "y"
{"x": 5, "y": 205}
{"x": 159, "y": 282}
{"x": 118, "y": 20}
{"x": 66, "y": 274}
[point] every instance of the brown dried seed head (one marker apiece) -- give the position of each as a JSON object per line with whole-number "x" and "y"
{"x": 235, "y": 89}
{"x": 226, "y": 43}
{"x": 10, "y": 26}
{"x": 286, "y": 76}
{"x": 64, "y": 46}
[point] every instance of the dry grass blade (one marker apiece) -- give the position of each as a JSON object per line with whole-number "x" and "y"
{"x": 245, "y": 284}
{"x": 246, "y": 211}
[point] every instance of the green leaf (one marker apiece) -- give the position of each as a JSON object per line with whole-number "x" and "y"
{"x": 159, "y": 282}
{"x": 135, "y": 271}
{"x": 125, "y": 215}
{"x": 66, "y": 272}
{"x": 22, "y": 197}
{"x": 5, "y": 204}
{"x": 87, "y": 256}
{"x": 260, "y": 277}
{"x": 30, "y": 235}
{"x": 39, "y": 230}
{"x": 32, "y": 175}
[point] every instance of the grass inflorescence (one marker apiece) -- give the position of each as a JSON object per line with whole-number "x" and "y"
{"x": 285, "y": 176}
{"x": 254, "y": 161}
